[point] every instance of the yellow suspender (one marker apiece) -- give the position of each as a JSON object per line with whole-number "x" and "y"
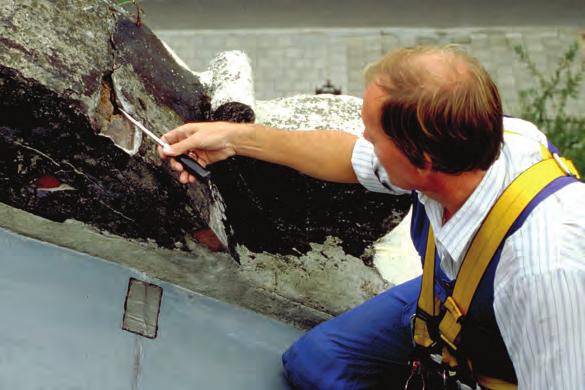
{"x": 564, "y": 163}
{"x": 426, "y": 299}
{"x": 482, "y": 249}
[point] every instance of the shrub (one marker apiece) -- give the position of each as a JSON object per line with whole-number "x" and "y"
{"x": 545, "y": 104}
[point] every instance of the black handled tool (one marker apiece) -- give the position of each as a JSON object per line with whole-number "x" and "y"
{"x": 193, "y": 167}
{"x": 190, "y": 165}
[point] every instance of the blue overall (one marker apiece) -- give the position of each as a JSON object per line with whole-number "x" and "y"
{"x": 370, "y": 346}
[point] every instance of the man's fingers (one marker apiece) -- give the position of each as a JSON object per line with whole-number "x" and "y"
{"x": 197, "y": 140}
{"x": 184, "y": 146}
{"x": 180, "y": 133}
{"x": 175, "y": 165}
{"x": 173, "y": 136}
{"x": 162, "y": 153}
{"x": 184, "y": 177}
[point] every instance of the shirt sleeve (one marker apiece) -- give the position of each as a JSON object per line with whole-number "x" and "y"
{"x": 369, "y": 171}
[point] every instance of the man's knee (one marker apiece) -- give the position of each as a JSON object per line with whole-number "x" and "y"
{"x": 320, "y": 361}
{"x": 359, "y": 348}
{"x": 310, "y": 362}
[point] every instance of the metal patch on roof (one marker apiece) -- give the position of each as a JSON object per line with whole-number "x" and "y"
{"x": 142, "y": 308}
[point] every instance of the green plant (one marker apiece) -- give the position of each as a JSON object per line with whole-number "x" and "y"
{"x": 545, "y": 104}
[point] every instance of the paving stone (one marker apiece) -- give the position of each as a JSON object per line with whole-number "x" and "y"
{"x": 304, "y": 59}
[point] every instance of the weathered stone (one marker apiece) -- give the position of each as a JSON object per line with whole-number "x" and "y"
{"x": 65, "y": 68}
{"x": 287, "y": 215}
{"x": 229, "y": 79}
{"x": 45, "y": 40}
{"x": 67, "y": 153}
{"x": 324, "y": 231}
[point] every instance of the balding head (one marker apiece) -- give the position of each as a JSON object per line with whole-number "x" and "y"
{"x": 442, "y": 107}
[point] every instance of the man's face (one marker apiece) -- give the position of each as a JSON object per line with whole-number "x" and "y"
{"x": 400, "y": 170}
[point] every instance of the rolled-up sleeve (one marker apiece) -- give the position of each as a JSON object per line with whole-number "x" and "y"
{"x": 369, "y": 171}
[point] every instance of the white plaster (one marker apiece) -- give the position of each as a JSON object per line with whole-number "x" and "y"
{"x": 217, "y": 217}
{"x": 395, "y": 257}
{"x": 136, "y": 143}
{"x": 232, "y": 79}
{"x": 206, "y": 79}
{"x": 325, "y": 277}
{"x": 336, "y": 112}
{"x": 228, "y": 77}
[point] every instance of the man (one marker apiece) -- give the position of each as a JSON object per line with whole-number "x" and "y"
{"x": 434, "y": 128}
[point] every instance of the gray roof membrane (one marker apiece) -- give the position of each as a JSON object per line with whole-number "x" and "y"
{"x": 61, "y": 328}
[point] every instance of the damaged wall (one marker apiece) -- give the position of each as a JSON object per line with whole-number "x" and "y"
{"x": 61, "y": 85}
{"x": 66, "y": 153}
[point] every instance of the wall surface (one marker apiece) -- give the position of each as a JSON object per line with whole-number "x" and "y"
{"x": 63, "y": 330}
{"x": 296, "y": 61}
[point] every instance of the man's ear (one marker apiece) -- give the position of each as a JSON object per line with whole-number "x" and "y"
{"x": 425, "y": 175}
{"x": 427, "y": 169}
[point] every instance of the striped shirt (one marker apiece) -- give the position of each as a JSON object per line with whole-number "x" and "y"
{"x": 539, "y": 286}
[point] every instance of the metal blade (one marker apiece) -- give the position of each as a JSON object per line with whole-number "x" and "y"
{"x": 145, "y": 130}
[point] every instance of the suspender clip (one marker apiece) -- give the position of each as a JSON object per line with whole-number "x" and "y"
{"x": 563, "y": 166}
{"x": 450, "y": 325}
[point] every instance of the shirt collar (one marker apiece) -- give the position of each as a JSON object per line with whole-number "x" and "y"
{"x": 456, "y": 235}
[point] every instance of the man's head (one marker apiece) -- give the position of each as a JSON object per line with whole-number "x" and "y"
{"x": 440, "y": 107}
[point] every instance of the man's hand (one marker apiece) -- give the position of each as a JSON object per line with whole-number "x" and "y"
{"x": 206, "y": 143}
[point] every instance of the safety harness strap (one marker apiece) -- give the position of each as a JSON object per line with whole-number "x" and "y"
{"x": 490, "y": 235}
{"x": 426, "y": 302}
{"x": 495, "y": 384}
{"x": 487, "y": 240}
{"x": 550, "y": 151}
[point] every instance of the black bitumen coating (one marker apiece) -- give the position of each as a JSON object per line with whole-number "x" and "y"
{"x": 269, "y": 208}
{"x": 45, "y": 134}
{"x": 170, "y": 84}
{"x": 278, "y": 210}
{"x": 234, "y": 112}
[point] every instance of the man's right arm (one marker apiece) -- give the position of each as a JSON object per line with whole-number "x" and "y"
{"x": 323, "y": 154}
